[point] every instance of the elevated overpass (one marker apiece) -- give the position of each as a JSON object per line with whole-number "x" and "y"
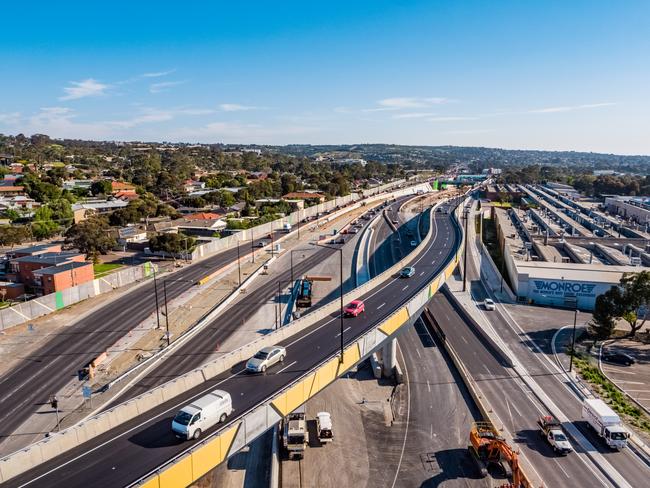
{"x": 133, "y": 443}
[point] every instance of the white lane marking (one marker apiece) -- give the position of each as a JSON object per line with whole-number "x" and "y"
{"x": 344, "y": 331}
{"x": 419, "y": 355}
{"x": 405, "y": 288}
{"x": 211, "y": 388}
{"x": 630, "y": 382}
{"x": 381, "y": 305}
{"x": 428, "y": 386}
{"x": 512, "y": 422}
{"x": 288, "y": 366}
{"x": 421, "y": 273}
{"x": 408, "y": 417}
{"x": 609, "y": 369}
{"x": 563, "y": 470}
{"x": 172, "y": 409}
{"x": 465, "y": 341}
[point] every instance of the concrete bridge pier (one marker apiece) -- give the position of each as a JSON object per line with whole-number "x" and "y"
{"x": 389, "y": 357}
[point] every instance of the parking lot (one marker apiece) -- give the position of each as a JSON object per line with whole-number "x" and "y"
{"x": 634, "y": 379}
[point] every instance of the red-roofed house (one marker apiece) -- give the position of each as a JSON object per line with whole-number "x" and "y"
{"x": 123, "y": 189}
{"x": 204, "y": 216}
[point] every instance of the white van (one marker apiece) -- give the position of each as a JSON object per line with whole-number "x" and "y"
{"x": 202, "y": 414}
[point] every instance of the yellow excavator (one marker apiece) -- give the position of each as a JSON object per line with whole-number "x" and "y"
{"x": 488, "y": 447}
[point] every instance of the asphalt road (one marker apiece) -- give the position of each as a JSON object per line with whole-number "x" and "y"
{"x": 31, "y": 382}
{"x": 512, "y": 402}
{"x": 440, "y": 409}
{"x": 135, "y": 448}
{"x": 532, "y": 348}
{"x": 201, "y": 347}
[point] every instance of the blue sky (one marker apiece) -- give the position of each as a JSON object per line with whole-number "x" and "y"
{"x": 516, "y": 74}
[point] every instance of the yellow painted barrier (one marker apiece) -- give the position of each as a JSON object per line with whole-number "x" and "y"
{"x": 395, "y": 321}
{"x": 153, "y": 482}
{"x": 211, "y": 454}
{"x": 178, "y": 474}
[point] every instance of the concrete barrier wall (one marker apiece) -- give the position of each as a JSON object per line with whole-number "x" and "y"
{"x": 22, "y": 312}
{"x": 16, "y": 463}
{"x": 254, "y": 422}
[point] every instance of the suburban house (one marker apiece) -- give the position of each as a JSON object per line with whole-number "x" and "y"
{"x": 121, "y": 189}
{"x": 43, "y": 271}
{"x": 11, "y": 191}
{"x": 129, "y": 234}
{"x": 96, "y": 206}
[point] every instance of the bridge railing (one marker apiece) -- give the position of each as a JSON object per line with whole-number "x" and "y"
{"x": 189, "y": 465}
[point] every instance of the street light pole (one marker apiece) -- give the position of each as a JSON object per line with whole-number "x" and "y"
{"x": 278, "y": 324}
{"x": 573, "y": 340}
{"x": 238, "y": 264}
{"x": 166, "y": 312}
{"x": 155, "y": 287}
{"x": 252, "y": 246}
{"x": 465, "y": 255}
{"x": 340, "y": 251}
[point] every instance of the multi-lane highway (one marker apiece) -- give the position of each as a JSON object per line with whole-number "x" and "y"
{"x": 438, "y": 410}
{"x": 516, "y": 406}
{"x": 201, "y": 347}
{"x": 140, "y": 445}
{"x": 37, "y": 376}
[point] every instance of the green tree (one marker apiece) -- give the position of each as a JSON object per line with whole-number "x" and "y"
{"x": 622, "y": 302}
{"x": 43, "y": 225}
{"x": 61, "y": 212}
{"x": 101, "y": 187}
{"x": 91, "y": 236}
{"x": 172, "y": 243}
{"x": 12, "y": 235}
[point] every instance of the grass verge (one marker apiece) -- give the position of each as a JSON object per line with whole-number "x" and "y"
{"x": 608, "y": 391}
{"x": 102, "y": 269}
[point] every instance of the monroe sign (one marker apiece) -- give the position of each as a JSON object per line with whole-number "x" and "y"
{"x": 564, "y": 288}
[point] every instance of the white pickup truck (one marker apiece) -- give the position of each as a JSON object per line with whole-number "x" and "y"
{"x": 605, "y": 422}
{"x": 552, "y": 431}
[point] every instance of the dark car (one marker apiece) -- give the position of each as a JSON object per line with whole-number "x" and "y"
{"x": 618, "y": 358}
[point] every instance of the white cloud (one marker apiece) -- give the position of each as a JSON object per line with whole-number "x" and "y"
{"x": 413, "y": 115}
{"x": 9, "y": 118}
{"x": 399, "y": 103}
{"x": 157, "y": 74}
{"x": 236, "y": 107}
{"x": 570, "y": 108}
{"x": 83, "y": 89}
{"x": 450, "y": 119}
{"x": 164, "y": 86}
{"x": 147, "y": 116}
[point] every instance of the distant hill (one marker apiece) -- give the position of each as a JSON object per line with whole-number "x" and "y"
{"x": 476, "y": 157}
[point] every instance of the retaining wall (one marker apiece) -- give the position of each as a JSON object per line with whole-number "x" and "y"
{"x": 267, "y": 416}
{"x": 22, "y": 312}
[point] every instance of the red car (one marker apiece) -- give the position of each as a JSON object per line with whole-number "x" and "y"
{"x": 354, "y": 308}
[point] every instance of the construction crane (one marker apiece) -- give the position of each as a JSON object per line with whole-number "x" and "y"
{"x": 488, "y": 447}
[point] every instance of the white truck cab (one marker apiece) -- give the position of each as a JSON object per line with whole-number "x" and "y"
{"x": 202, "y": 414}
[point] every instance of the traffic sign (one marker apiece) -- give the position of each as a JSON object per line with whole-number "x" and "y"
{"x": 87, "y": 392}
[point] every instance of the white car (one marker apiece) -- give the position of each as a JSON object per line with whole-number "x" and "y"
{"x": 265, "y": 358}
{"x": 489, "y": 304}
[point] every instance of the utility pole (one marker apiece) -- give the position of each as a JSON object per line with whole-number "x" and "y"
{"x": 252, "y": 246}
{"x": 238, "y": 264}
{"x": 465, "y": 253}
{"x": 155, "y": 287}
{"x": 573, "y": 339}
{"x": 340, "y": 251}
{"x": 279, "y": 323}
{"x": 166, "y": 312}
